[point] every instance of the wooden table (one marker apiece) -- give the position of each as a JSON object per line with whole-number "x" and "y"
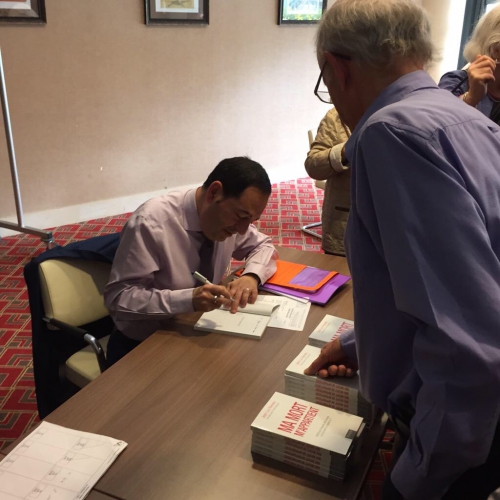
{"x": 184, "y": 402}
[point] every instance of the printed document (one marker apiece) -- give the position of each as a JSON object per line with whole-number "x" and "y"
{"x": 56, "y": 463}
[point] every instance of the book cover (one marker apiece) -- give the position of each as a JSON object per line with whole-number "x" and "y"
{"x": 304, "y": 359}
{"x": 306, "y": 422}
{"x": 340, "y": 393}
{"x": 330, "y": 328}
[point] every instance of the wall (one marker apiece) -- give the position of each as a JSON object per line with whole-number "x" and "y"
{"x": 447, "y": 19}
{"x": 104, "y": 107}
{"x": 107, "y": 112}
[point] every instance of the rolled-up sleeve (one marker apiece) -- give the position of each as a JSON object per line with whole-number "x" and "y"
{"x": 446, "y": 277}
{"x": 259, "y": 253}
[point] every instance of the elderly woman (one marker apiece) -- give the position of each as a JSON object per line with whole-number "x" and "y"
{"x": 325, "y": 162}
{"x": 479, "y": 85}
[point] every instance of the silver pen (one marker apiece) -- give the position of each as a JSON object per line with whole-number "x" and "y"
{"x": 204, "y": 280}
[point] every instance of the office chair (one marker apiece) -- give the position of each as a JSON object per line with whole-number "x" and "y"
{"x": 320, "y": 185}
{"x": 72, "y": 295}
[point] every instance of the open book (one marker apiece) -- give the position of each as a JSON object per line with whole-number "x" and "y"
{"x": 250, "y": 321}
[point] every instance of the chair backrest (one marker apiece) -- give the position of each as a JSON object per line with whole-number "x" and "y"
{"x": 311, "y": 134}
{"x": 72, "y": 290}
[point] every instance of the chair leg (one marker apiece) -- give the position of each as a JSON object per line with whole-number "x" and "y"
{"x": 306, "y": 229}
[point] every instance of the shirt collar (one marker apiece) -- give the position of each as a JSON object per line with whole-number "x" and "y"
{"x": 395, "y": 92}
{"x": 191, "y": 217}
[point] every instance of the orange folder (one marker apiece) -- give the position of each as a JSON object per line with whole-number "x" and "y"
{"x": 289, "y": 274}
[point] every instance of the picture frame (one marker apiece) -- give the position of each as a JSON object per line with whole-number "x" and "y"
{"x": 159, "y": 12}
{"x": 300, "y": 11}
{"x": 22, "y": 12}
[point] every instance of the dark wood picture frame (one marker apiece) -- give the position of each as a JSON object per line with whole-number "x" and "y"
{"x": 176, "y": 12}
{"x": 23, "y": 12}
{"x": 284, "y": 17}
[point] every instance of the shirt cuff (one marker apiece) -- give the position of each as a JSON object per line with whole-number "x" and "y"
{"x": 262, "y": 271}
{"x": 181, "y": 301}
{"x": 335, "y": 157}
{"x": 348, "y": 344}
{"x": 253, "y": 275}
{"x": 412, "y": 485}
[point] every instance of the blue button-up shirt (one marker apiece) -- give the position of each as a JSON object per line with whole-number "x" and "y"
{"x": 449, "y": 81}
{"x": 423, "y": 245}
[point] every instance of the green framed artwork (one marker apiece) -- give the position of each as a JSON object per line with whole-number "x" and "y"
{"x": 300, "y": 11}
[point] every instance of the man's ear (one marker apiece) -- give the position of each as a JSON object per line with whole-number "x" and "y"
{"x": 495, "y": 52}
{"x": 340, "y": 68}
{"x": 215, "y": 192}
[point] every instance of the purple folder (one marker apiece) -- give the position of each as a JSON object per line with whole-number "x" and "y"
{"x": 321, "y": 297}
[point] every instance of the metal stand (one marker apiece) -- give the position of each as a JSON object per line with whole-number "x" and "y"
{"x": 46, "y": 236}
{"x": 307, "y": 229}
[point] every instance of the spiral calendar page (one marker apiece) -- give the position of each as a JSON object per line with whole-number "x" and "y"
{"x": 56, "y": 463}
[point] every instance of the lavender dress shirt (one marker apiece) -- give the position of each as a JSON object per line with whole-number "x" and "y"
{"x": 151, "y": 277}
{"x": 423, "y": 245}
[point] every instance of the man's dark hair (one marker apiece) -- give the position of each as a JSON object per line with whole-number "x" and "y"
{"x": 237, "y": 174}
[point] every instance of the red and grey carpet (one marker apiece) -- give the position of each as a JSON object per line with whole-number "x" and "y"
{"x": 292, "y": 205}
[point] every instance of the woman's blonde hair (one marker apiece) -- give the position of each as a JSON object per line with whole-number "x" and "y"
{"x": 485, "y": 37}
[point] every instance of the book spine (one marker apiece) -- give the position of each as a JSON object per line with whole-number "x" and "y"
{"x": 277, "y": 440}
{"x": 339, "y": 398}
{"x": 301, "y": 464}
{"x": 279, "y": 454}
{"x": 323, "y": 455}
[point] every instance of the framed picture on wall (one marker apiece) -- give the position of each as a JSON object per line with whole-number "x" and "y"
{"x": 22, "y": 11}
{"x": 300, "y": 11}
{"x": 176, "y": 11}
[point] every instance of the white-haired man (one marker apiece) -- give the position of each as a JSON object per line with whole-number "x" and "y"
{"x": 423, "y": 245}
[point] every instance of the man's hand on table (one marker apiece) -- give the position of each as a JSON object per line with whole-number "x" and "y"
{"x": 332, "y": 362}
{"x": 244, "y": 291}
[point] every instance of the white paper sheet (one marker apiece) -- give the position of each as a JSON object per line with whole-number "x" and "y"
{"x": 290, "y": 315}
{"x": 56, "y": 463}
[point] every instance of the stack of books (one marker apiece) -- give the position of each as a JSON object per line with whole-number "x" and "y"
{"x": 330, "y": 328}
{"x": 308, "y": 436}
{"x": 339, "y": 393}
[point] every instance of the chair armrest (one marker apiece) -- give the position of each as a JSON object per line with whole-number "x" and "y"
{"x": 82, "y": 334}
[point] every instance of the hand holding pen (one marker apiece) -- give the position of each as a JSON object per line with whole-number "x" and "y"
{"x": 209, "y": 296}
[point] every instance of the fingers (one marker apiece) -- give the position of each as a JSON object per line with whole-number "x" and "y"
{"x": 342, "y": 371}
{"x": 317, "y": 365}
{"x": 481, "y": 70}
{"x": 244, "y": 292}
{"x": 332, "y": 362}
{"x": 252, "y": 298}
{"x": 241, "y": 296}
{"x": 209, "y": 297}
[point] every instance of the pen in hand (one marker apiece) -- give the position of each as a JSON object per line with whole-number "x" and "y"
{"x": 204, "y": 280}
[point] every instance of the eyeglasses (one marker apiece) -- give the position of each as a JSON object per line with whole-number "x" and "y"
{"x": 323, "y": 95}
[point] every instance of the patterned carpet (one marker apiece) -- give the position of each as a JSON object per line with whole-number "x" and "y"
{"x": 292, "y": 205}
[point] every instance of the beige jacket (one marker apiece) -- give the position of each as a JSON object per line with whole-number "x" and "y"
{"x": 324, "y": 163}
